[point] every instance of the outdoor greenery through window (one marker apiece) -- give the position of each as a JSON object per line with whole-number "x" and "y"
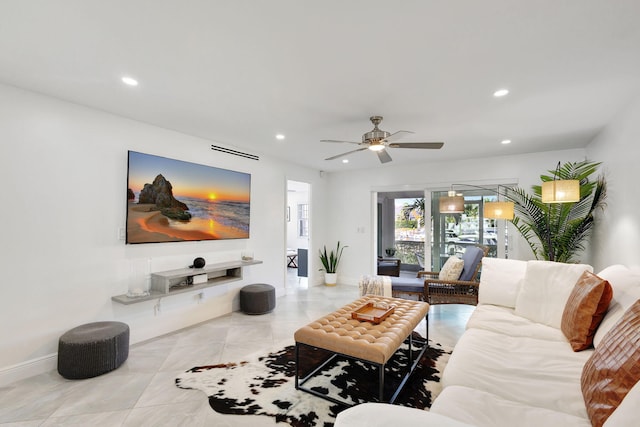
{"x": 450, "y": 233}
{"x": 409, "y": 230}
{"x": 303, "y": 220}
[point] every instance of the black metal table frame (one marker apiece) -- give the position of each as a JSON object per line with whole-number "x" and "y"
{"x": 412, "y": 365}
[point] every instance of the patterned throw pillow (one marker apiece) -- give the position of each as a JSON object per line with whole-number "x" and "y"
{"x": 451, "y": 269}
{"x": 613, "y": 368}
{"x": 585, "y": 308}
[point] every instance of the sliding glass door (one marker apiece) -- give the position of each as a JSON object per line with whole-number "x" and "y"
{"x": 452, "y": 233}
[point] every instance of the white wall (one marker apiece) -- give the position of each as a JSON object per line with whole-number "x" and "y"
{"x": 63, "y": 177}
{"x": 352, "y": 213}
{"x": 617, "y": 233}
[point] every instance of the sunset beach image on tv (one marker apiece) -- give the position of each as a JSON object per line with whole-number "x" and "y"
{"x": 171, "y": 200}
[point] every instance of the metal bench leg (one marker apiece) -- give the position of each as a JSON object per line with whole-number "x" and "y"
{"x": 297, "y": 364}
{"x": 381, "y": 383}
{"x": 426, "y": 318}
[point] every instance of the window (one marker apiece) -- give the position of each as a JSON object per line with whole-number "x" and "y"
{"x": 303, "y": 220}
{"x": 453, "y": 232}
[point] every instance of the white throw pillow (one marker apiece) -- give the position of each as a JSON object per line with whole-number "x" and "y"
{"x": 451, "y": 269}
{"x": 500, "y": 281}
{"x": 625, "y": 283}
{"x": 545, "y": 290}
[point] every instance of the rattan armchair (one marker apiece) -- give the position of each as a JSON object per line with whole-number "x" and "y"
{"x": 428, "y": 287}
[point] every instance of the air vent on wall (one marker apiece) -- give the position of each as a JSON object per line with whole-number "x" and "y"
{"x": 234, "y": 152}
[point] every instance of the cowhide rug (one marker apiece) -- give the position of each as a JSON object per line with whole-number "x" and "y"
{"x": 265, "y": 385}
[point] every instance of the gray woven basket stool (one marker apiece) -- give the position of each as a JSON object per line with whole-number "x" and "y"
{"x": 258, "y": 298}
{"x": 93, "y": 349}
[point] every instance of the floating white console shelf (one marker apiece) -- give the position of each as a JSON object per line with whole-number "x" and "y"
{"x": 172, "y": 282}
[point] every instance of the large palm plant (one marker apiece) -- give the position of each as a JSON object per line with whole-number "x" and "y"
{"x": 558, "y": 231}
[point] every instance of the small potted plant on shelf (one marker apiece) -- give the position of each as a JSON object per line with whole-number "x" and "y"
{"x": 330, "y": 263}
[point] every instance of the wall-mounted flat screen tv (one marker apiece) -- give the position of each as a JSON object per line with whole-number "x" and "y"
{"x": 173, "y": 201}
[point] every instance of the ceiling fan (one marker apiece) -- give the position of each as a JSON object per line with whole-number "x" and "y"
{"x": 379, "y": 140}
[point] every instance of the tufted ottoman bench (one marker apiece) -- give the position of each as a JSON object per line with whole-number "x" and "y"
{"x": 258, "y": 298}
{"x": 93, "y": 349}
{"x": 374, "y": 343}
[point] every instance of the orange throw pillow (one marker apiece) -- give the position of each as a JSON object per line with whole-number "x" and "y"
{"x": 613, "y": 368}
{"x": 585, "y": 308}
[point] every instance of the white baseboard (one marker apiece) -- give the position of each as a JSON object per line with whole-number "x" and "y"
{"x": 28, "y": 369}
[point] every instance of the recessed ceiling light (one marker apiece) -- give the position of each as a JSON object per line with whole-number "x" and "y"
{"x": 279, "y": 136}
{"x": 500, "y": 92}
{"x": 129, "y": 81}
{"x": 506, "y": 141}
{"x": 345, "y": 160}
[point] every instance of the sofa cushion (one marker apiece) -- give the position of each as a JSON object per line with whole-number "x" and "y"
{"x": 503, "y": 321}
{"x": 500, "y": 281}
{"x": 614, "y": 368}
{"x": 451, "y": 269}
{"x": 534, "y": 372}
{"x": 545, "y": 290}
{"x": 483, "y": 409}
{"x": 407, "y": 284}
{"x": 585, "y": 308}
{"x": 626, "y": 290}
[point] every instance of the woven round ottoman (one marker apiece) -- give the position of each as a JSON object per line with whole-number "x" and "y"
{"x": 93, "y": 349}
{"x": 258, "y": 298}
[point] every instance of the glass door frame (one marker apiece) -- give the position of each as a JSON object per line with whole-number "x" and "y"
{"x": 477, "y": 197}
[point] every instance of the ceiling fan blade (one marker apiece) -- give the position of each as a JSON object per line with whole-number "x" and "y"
{"x": 338, "y": 141}
{"x": 384, "y": 156}
{"x": 427, "y": 145}
{"x": 397, "y": 135}
{"x": 344, "y": 154}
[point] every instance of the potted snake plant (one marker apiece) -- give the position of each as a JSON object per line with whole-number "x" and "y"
{"x": 330, "y": 261}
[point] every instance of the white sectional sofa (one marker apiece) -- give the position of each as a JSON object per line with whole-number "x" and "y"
{"x": 514, "y": 365}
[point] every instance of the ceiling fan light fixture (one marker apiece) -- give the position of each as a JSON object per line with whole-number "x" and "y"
{"x": 378, "y": 141}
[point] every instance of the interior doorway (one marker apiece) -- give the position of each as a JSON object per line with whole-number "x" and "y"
{"x": 298, "y": 226}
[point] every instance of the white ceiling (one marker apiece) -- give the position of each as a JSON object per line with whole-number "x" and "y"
{"x": 237, "y": 72}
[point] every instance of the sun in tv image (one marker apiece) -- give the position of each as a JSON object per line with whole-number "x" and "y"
{"x": 172, "y": 201}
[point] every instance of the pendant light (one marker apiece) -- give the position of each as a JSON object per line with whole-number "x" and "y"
{"x": 560, "y": 190}
{"x": 452, "y": 203}
{"x": 499, "y": 210}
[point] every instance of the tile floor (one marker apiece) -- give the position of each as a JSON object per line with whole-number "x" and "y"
{"x": 142, "y": 391}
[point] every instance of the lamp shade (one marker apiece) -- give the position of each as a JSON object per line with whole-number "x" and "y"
{"x": 561, "y": 191}
{"x": 498, "y": 210}
{"x": 452, "y": 204}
